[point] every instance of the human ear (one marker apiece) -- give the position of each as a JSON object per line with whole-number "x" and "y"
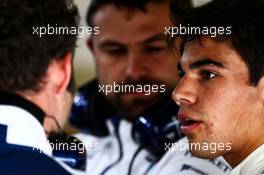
{"x": 60, "y": 72}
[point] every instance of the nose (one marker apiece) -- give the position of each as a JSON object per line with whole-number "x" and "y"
{"x": 135, "y": 68}
{"x": 185, "y": 92}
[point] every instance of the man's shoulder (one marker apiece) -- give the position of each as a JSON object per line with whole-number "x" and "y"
{"x": 14, "y": 159}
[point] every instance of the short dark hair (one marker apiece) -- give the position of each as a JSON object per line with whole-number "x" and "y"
{"x": 129, "y": 4}
{"x": 25, "y": 57}
{"x": 246, "y": 19}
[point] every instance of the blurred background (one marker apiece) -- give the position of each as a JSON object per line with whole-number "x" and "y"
{"x": 84, "y": 64}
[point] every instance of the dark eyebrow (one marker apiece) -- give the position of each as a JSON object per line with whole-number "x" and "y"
{"x": 111, "y": 43}
{"x": 204, "y": 62}
{"x": 158, "y": 37}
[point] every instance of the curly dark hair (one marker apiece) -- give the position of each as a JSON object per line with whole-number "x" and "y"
{"x": 25, "y": 57}
{"x": 246, "y": 19}
{"x": 129, "y": 4}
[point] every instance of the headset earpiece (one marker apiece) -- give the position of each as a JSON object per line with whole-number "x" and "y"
{"x": 69, "y": 150}
{"x": 157, "y": 129}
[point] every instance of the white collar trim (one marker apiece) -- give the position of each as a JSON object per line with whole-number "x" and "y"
{"x": 24, "y": 129}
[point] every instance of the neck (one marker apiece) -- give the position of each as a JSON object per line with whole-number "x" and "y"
{"x": 236, "y": 157}
{"x": 40, "y": 99}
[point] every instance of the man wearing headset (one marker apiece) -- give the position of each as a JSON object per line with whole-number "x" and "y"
{"x": 131, "y": 50}
{"x": 36, "y": 82}
{"x": 221, "y": 92}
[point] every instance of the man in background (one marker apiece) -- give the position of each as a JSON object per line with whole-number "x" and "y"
{"x": 131, "y": 49}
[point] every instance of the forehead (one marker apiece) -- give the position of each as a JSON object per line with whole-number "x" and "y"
{"x": 132, "y": 25}
{"x": 207, "y": 48}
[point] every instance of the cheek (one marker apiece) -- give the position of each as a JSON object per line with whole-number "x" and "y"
{"x": 106, "y": 73}
{"x": 226, "y": 115}
{"x": 223, "y": 104}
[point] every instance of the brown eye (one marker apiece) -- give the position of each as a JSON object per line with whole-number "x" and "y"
{"x": 207, "y": 75}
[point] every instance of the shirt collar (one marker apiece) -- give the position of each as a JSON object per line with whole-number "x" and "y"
{"x": 249, "y": 164}
{"x": 19, "y": 101}
{"x": 23, "y": 125}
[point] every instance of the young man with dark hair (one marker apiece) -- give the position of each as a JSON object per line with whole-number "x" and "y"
{"x": 36, "y": 82}
{"x": 131, "y": 50}
{"x": 221, "y": 88}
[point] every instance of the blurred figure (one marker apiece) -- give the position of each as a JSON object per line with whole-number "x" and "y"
{"x": 127, "y": 113}
{"x": 36, "y": 82}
